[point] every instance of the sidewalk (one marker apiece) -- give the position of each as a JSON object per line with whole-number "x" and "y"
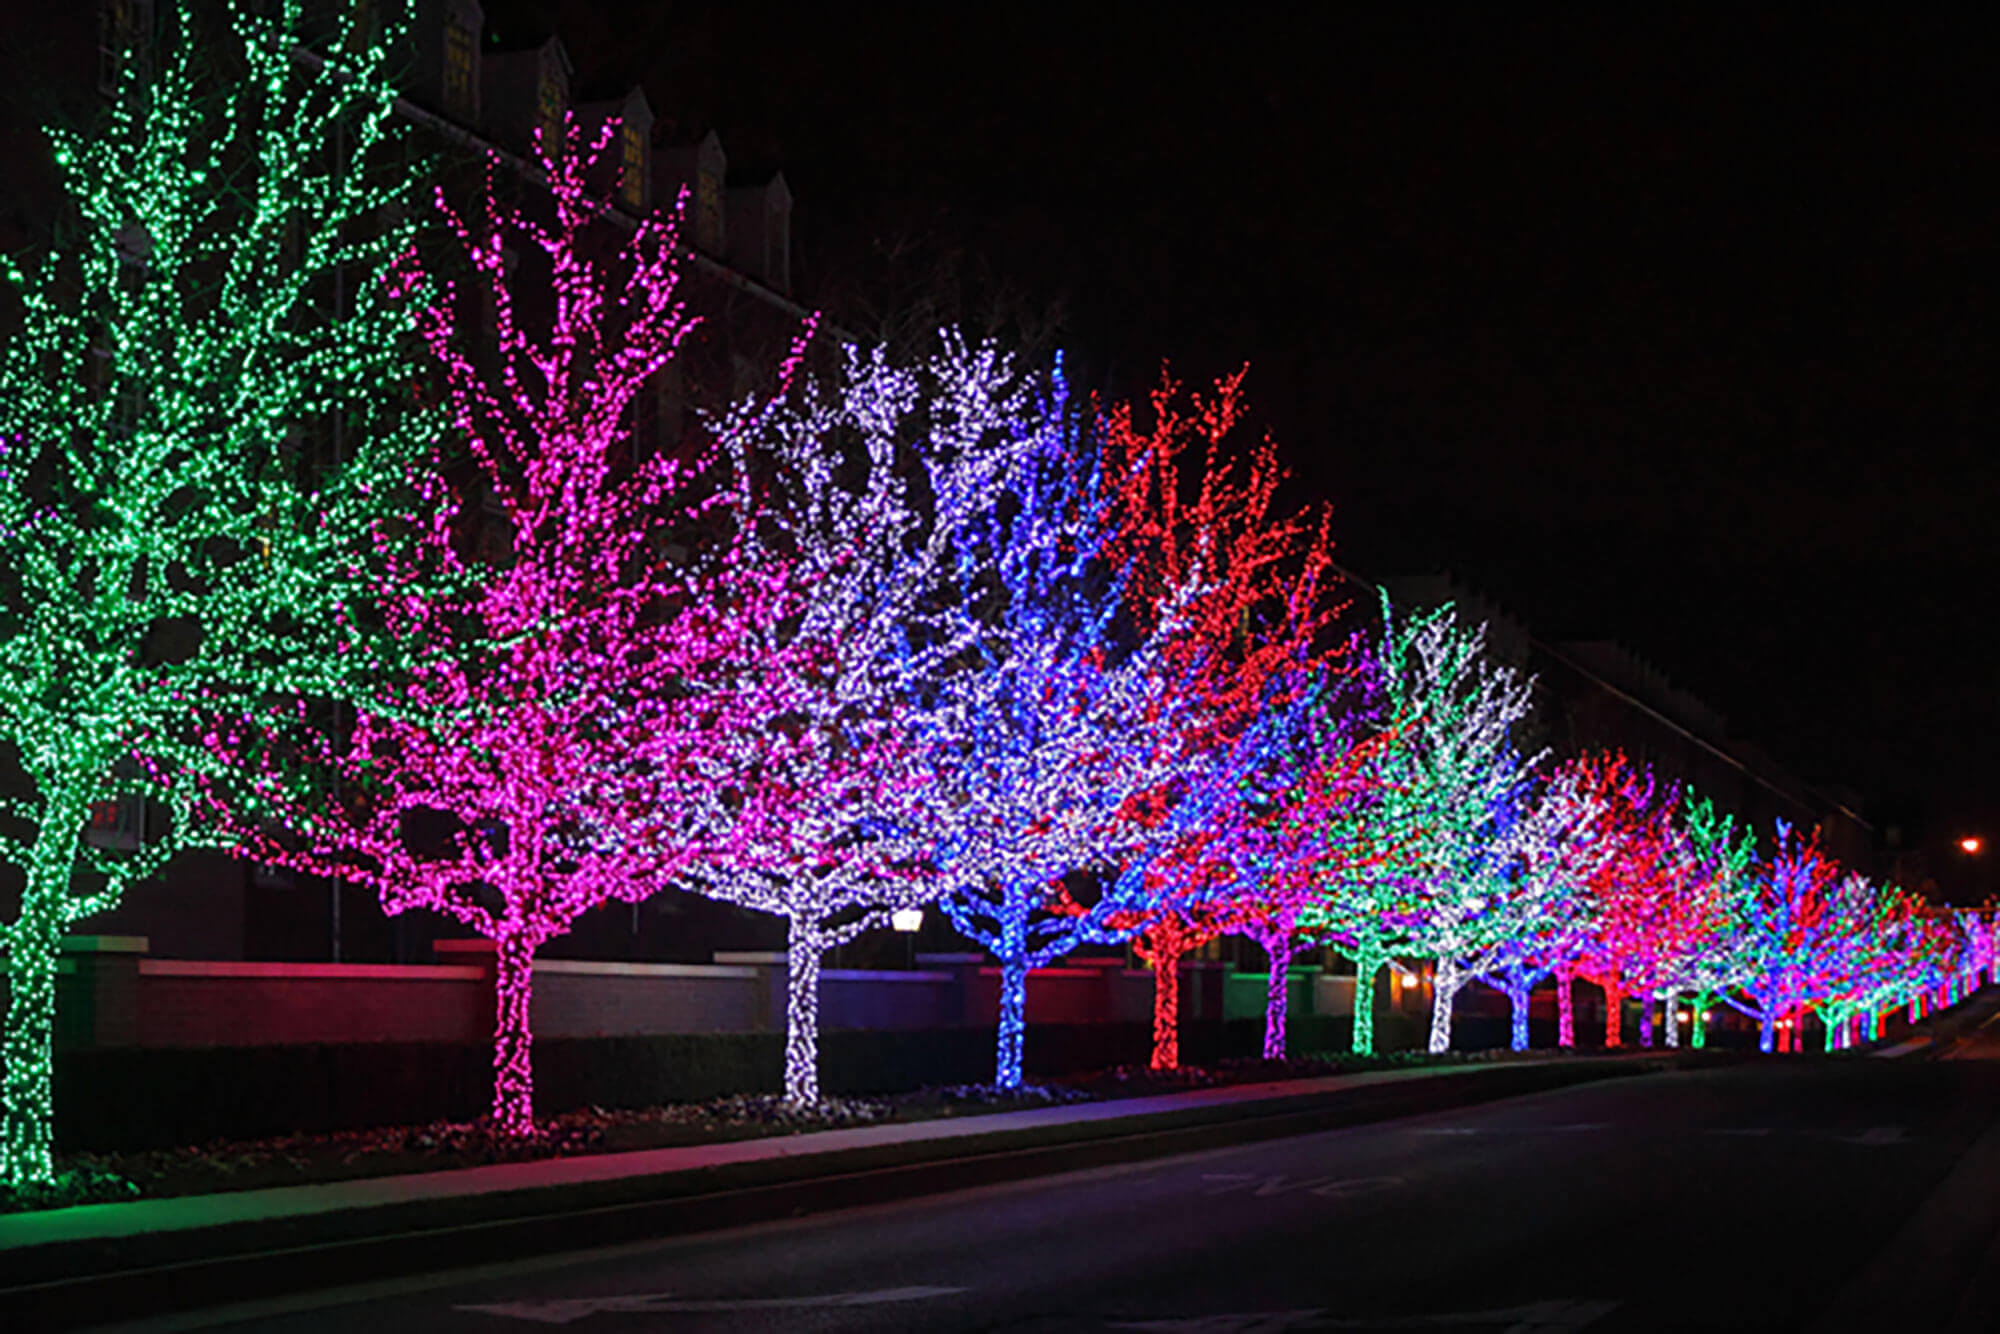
{"x": 1943, "y": 1034}
{"x": 100, "y": 1262}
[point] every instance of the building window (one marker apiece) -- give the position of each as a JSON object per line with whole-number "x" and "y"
{"x": 708, "y": 211}
{"x": 459, "y": 49}
{"x": 118, "y": 824}
{"x": 551, "y": 115}
{"x": 632, "y": 185}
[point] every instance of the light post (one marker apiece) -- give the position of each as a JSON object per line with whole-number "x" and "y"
{"x": 907, "y": 922}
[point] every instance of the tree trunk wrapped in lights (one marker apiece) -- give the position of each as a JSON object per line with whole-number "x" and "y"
{"x": 1565, "y": 1009}
{"x": 172, "y": 547}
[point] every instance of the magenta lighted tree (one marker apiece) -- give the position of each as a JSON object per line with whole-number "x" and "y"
{"x": 577, "y": 700}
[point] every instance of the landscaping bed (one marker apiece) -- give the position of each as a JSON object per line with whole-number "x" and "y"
{"x": 308, "y": 1158}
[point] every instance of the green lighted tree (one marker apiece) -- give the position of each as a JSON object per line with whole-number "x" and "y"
{"x": 175, "y": 541}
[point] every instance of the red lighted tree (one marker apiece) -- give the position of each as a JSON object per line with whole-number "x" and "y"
{"x": 582, "y": 693}
{"x": 1193, "y": 514}
{"x": 1639, "y": 894}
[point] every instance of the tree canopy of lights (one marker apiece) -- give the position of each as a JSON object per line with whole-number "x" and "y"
{"x": 574, "y": 709}
{"x": 1193, "y": 515}
{"x": 177, "y": 539}
{"x": 882, "y": 477}
{"x": 1058, "y": 731}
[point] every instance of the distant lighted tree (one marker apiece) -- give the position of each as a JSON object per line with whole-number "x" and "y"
{"x": 1445, "y": 713}
{"x": 174, "y": 543}
{"x": 1456, "y": 777}
{"x": 1780, "y": 942}
{"x": 1550, "y": 851}
{"x": 1724, "y": 852}
{"x": 1639, "y": 895}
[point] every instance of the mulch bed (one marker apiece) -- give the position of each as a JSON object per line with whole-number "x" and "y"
{"x": 292, "y": 1160}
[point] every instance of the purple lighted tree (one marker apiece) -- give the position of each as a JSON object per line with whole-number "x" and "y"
{"x": 1306, "y": 807}
{"x": 581, "y": 696}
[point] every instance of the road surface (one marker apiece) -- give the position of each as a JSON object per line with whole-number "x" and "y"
{"x": 1784, "y": 1194}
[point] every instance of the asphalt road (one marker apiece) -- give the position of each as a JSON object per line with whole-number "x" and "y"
{"x": 1775, "y": 1195}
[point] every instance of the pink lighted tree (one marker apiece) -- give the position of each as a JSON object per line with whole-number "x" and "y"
{"x": 582, "y": 695}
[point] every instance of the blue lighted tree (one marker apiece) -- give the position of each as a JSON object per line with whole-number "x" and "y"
{"x": 1059, "y": 734}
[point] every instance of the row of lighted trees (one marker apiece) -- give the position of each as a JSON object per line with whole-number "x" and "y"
{"x": 894, "y": 634}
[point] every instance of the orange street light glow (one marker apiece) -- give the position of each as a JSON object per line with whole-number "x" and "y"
{"x": 1971, "y": 845}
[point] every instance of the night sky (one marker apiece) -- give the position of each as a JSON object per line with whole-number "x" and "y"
{"x": 1670, "y": 332}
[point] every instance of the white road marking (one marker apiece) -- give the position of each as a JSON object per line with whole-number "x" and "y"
{"x": 563, "y": 1311}
{"x": 1260, "y": 1322}
{"x": 1263, "y": 1185}
{"x": 1876, "y": 1136}
{"x": 1550, "y": 1317}
{"x": 1570, "y": 1129}
{"x": 1872, "y": 1137}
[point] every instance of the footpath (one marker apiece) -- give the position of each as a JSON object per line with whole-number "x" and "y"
{"x": 89, "y": 1264}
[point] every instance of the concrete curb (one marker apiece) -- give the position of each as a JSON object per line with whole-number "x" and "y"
{"x": 77, "y": 1281}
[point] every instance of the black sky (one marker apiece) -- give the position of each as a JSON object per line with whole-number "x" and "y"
{"x": 1669, "y": 331}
